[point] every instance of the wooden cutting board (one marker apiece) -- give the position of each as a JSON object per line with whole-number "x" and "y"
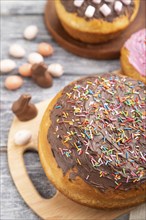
{"x": 109, "y": 50}
{"x": 59, "y": 207}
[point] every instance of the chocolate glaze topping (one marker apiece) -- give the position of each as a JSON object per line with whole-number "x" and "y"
{"x": 80, "y": 11}
{"x": 98, "y": 132}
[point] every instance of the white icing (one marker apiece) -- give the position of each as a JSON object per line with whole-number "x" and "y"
{"x": 97, "y": 1}
{"x": 78, "y": 3}
{"x": 109, "y": 1}
{"x": 105, "y": 10}
{"x": 90, "y": 10}
{"x": 118, "y": 6}
{"x": 126, "y": 2}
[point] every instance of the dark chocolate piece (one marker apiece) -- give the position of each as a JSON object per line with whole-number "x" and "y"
{"x": 23, "y": 109}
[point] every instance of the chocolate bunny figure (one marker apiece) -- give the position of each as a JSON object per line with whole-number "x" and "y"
{"x": 23, "y": 109}
{"x": 41, "y": 75}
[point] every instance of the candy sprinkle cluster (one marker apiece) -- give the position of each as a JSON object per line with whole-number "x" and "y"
{"x": 99, "y": 129}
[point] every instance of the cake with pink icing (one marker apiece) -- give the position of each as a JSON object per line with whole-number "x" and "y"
{"x": 133, "y": 56}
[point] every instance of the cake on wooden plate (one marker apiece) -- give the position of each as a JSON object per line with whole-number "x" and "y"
{"x": 95, "y": 21}
{"x": 92, "y": 141}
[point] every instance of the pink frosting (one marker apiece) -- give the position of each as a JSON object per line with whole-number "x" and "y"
{"x": 136, "y": 45}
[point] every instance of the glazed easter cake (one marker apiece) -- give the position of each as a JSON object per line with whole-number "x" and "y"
{"x": 92, "y": 141}
{"x": 95, "y": 21}
{"x": 133, "y": 56}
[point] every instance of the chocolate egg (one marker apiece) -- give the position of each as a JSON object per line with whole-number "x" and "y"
{"x": 45, "y": 49}
{"x": 55, "y": 69}
{"x": 13, "y": 82}
{"x": 30, "y": 32}
{"x": 7, "y": 65}
{"x": 25, "y": 70}
{"x": 35, "y": 58}
{"x": 22, "y": 137}
{"x": 17, "y": 51}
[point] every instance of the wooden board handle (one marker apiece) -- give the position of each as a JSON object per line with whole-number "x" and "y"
{"x": 25, "y": 185}
{"x": 59, "y": 207}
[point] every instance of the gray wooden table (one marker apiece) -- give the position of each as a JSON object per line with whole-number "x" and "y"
{"x": 15, "y": 16}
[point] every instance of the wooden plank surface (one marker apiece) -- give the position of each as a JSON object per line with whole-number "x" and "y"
{"x": 16, "y": 15}
{"x": 139, "y": 213}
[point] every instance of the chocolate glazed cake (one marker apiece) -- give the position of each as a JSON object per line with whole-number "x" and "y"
{"x": 92, "y": 138}
{"x": 72, "y": 7}
{"x": 96, "y": 21}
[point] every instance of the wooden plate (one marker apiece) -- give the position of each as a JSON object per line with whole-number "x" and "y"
{"x": 59, "y": 207}
{"x": 109, "y": 50}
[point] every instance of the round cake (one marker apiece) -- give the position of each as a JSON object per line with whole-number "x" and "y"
{"x": 95, "y": 21}
{"x": 92, "y": 141}
{"x": 133, "y": 56}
